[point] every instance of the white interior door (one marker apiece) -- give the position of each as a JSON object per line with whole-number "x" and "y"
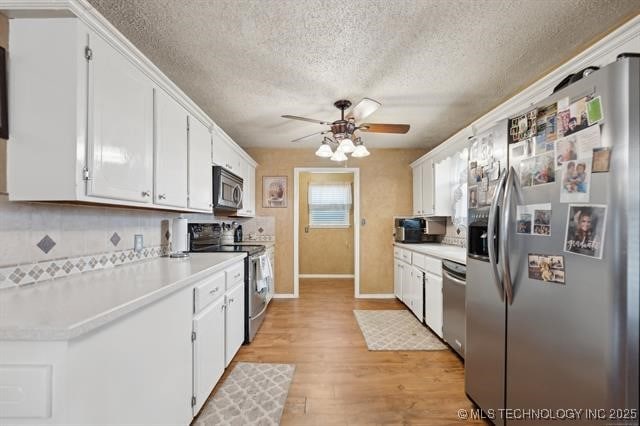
{"x": 234, "y": 322}
{"x": 120, "y": 127}
{"x": 170, "y": 151}
{"x": 208, "y": 351}
{"x": 200, "y": 171}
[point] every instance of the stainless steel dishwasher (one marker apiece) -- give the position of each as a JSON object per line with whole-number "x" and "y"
{"x": 454, "y": 277}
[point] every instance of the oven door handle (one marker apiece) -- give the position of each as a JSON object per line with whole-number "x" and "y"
{"x": 266, "y": 305}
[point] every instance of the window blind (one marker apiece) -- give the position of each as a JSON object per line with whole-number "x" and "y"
{"x": 329, "y": 204}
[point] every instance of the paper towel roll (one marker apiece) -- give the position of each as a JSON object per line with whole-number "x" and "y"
{"x": 179, "y": 235}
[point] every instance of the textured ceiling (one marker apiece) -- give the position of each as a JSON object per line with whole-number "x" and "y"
{"x": 434, "y": 64}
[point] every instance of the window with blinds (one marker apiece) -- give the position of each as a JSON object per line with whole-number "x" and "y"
{"x": 329, "y": 205}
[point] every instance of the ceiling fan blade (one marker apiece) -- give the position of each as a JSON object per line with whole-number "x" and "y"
{"x": 363, "y": 109}
{"x": 384, "y": 128}
{"x": 310, "y": 120}
{"x": 312, "y": 134}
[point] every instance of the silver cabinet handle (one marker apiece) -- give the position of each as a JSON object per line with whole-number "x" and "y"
{"x": 237, "y": 275}
{"x": 162, "y": 196}
{"x": 146, "y": 193}
{"x": 231, "y": 300}
{"x": 491, "y": 227}
{"x": 214, "y": 290}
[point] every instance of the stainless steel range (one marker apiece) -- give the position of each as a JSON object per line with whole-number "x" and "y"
{"x": 206, "y": 237}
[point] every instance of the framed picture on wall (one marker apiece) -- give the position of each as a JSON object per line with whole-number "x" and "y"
{"x": 274, "y": 191}
{"x": 4, "y": 116}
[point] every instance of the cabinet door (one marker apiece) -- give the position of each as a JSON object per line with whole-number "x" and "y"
{"x": 200, "y": 172}
{"x": 397, "y": 278}
{"x": 223, "y": 153}
{"x": 428, "y": 186}
{"x": 443, "y": 187}
{"x": 208, "y": 351}
{"x": 170, "y": 165}
{"x": 234, "y": 322}
{"x": 417, "y": 293}
{"x": 250, "y": 190}
{"x": 120, "y": 127}
{"x": 433, "y": 303}
{"x": 407, "y": 285}
{"x": 417, "y": 189}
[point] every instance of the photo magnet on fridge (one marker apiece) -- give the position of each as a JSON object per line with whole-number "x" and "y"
{"x": 594, "y": 110}
{"x": 548, "y": 268}
{"x": 586, "y": 226}
{"x": 601, "y": 160}
{"x": 576, "y": 181}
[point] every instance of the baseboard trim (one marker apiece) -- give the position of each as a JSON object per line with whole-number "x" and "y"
{"x": 376, "y": 296}
{"x": 284, "y": 296}
{"x": 337, "y": 276}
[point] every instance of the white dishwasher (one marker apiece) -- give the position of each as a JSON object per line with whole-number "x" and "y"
{"x": 454, "y": 277}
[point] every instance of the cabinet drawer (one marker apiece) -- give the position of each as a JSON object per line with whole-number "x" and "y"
{"x": 418, "y": 260}
{"x": 26, "y": 391}
{"x": 433, "y": 265}
{"x": 397, "y": 252}
{"x": 235, "y": 275}
{"x": 406, "y": 255}
{"x": 208, "y": 291}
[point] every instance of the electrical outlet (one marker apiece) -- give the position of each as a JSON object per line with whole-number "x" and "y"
{"x": 138, "y": 243}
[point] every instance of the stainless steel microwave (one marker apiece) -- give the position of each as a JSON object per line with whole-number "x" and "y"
{"x": 227, "y": 189}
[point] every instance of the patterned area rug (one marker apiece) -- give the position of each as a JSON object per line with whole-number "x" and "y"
{"x": 396, "y": 330}
{"x": 253, "y": 394}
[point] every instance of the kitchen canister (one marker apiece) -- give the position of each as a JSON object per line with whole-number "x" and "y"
{"x": 179, "y": 238}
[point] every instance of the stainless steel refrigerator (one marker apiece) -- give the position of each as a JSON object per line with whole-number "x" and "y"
{"x": 567, "y": 337}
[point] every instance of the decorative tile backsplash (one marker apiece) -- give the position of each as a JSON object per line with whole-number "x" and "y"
{"x": 43, "y": 241}
{"x": 17, "y": 275}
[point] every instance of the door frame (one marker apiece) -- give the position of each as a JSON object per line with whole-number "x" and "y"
{"x": 356, "y": 222}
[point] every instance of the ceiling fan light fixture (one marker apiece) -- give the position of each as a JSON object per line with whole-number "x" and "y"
{"x": 346, "y": 145}
{"x": 360, "y": 151}
{"x": 324, "y": 150}
{"x": 338, "y": 156}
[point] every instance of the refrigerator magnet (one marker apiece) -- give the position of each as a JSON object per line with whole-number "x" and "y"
{"x": 601, "y": 160}
{"x": 586, "y": 226}
{"x": 547, "y": 268}
{"x": 594, "y": 110}
{"x": 576, "y": 181}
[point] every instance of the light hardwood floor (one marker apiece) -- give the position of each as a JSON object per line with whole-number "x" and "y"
{"x": 337, "y": 380}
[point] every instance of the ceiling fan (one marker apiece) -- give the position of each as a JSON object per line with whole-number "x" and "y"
{"x": 341, "y": 132}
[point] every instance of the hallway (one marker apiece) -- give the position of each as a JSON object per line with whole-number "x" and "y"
{"x": 337, "y": 380}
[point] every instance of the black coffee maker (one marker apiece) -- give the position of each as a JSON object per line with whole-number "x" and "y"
{"x": 237, "y": 234}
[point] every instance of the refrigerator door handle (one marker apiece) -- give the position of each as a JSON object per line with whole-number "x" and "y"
{"x": 512, "y": 185}
{"x": 491, "y": 227}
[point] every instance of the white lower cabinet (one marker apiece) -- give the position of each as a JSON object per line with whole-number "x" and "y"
{"x": 406, "y": 283}
{"x": 234, "y": 322}
{"x": 397, "y": 278}
{"x": 433, "y": 302}
{"x": 208, "y": 351}
{"x": 417, "y": 293}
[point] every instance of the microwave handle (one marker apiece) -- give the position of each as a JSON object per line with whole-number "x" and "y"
{"x": 237, "y": 194}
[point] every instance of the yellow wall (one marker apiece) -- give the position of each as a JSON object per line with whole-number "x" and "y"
{"x": 385, "y": 191}
{"x": 324, "y": 250}
{"x": 4, "y": 42}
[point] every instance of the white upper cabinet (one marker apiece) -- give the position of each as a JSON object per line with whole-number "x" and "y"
{"x": 417, "y": 190}
{"x": 224, "y": 155}
{"x": 423, "y": 188}
{"x": 170, "y": 166}
{"x": 85, "y": 126}
{"x": 200, "y": 172}
{"x": 248, "y": 191}
{"x": 120, "y": 126}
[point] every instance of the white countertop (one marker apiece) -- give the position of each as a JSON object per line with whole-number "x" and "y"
{"x": 443, "y": 251}
{"x": 66, "y": 308}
